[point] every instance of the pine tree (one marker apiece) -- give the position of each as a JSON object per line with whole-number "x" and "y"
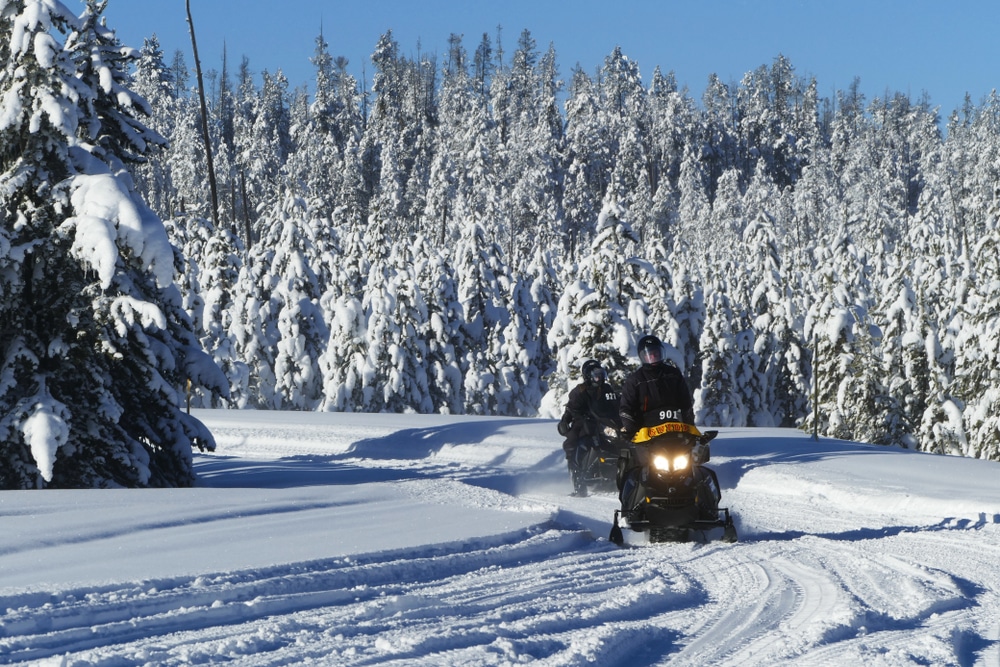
{"x": 96, "y": 346}
{"x": 152, "y": 79}
{"x": 518, "y": 378}
{"x": 436, "y": 281}
{"x": 588, "y": 160}
{"x": 593, "y": 317}
{"x": 477, "y": 270}
{"x": 254, "y": 326}
{"x": 221, "y": 261}
{"x": 347, "y": 385}
{"x": 114, "y": 114}
{"x": 689, "y": 297}
{"x": 979, "y": 352}
{"x": 301, "y": 333}
{"x": 782, "y": 399}
{"x": 405, "y": 323}
{"x": 719, "y": 400}
{"x": 904, "y": 353}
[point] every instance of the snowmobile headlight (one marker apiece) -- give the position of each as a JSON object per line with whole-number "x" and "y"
{"x": 679, "y": 462}
{"x": 610, "y": 432}
{"x": 661, "y": 462}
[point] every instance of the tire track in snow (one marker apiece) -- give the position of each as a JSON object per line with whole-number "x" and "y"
{"x": 32, "y": 629}
{"x": 740, "y": 592}
{"x": 556, "y": 595}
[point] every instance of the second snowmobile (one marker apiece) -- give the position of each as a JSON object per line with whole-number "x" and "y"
{"x": 596, "y": 456}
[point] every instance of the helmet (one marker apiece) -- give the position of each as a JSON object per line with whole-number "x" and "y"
{"x": 593, "y": 373}
{"x": 650, "y": 350}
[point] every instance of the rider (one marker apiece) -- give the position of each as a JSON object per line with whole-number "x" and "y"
{"x": 655, "y": 392}
{"x": 589, "y": 401}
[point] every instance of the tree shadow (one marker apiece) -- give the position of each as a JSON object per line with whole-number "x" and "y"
{"x": 410, "y": 444}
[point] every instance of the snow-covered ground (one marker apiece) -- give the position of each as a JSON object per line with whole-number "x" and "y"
{"x": 347, "y": 539}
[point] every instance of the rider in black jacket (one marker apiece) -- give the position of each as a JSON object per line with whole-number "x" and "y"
{"x": 654, "y": 393}
{"x": 589, "y": 401}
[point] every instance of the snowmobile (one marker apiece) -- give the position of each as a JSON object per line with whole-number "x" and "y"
{"x": 597, "y": 456}
{"x": 666, "y": 490}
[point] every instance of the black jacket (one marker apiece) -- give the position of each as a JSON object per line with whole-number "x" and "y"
{"x": 654, "y": 394}
{"x": 584, "y": 404}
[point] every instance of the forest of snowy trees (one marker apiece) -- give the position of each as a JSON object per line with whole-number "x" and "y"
{"x": 460, "y": 237}
{"x": 463, "y": 235}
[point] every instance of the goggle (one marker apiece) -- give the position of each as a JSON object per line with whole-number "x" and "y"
{"x": 598, "y": 374}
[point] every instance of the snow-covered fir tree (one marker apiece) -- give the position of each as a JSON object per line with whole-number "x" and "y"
{"x": 477, "y": 267}
{"x": 97, "y": 347}
{"x": 727, "y": 361}
{"x": 593, "y": 317}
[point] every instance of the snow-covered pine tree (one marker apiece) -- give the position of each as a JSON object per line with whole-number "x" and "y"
{"x": 153, "y": 80}
{"x": 344, "y": 363}
{"x": 693, "y": 207}
{"x": 301, "y": 331}
{"x": 854, "y": 402}
{"x": 185, "y": 162}
{"x": 436, "y": 281}
{"x": 544, "y": 282}
{"x": 903, "y": 349}
{"x": 871, "y": 413}
{"x": 588, "y": 163}
{"x": 478, "y": 263}
{"x": 593, "y": 316}
{"x": 96, "y": 347}
{"x": 727, "y": 362}
{"x": 689, "y": 314}
{"x": 405, "y": 342}
{"x": 976, "y": 371}
{"x": 221, "y": 262}
{"x": 777, "y": 344}
{"x": 314, "y": 165}
{"x": 940, "y": 428}
{"x": 253, "y": 325}
{"x": 382, "y": 332}
{"x": 518, "y": 379}
{"x": 262, "y": 141}
{"x": 673, "y": 116}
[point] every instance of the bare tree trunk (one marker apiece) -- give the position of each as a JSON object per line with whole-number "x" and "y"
{"x": 246, "y": 209}
{"x": 204, "y": 122}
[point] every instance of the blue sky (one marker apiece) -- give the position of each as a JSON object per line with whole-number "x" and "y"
{"x": 912, "y": 46}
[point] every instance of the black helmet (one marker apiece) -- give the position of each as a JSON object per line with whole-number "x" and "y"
{"x": 650, "y": 350}
{"x": 593, "y": 373}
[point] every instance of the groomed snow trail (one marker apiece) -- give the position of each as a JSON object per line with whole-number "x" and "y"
{"x": 375, "y": 540}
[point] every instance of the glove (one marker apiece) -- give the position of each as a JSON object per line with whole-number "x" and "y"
{"x": 563, "y": 427}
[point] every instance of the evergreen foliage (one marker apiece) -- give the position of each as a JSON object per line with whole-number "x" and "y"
{"x": 96, "y": 344}
{"x": 463, "y": 235}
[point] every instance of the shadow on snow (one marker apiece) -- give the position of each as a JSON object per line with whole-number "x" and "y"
{"x": 401, "y": 451}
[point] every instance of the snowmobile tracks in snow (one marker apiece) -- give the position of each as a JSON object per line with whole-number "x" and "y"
{"x": 574, "y": 599}
{"x": 549, "y": 591}
{"x": 820, "y": 582}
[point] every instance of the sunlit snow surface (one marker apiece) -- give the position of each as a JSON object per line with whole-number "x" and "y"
{"x": 426, "y": 540}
